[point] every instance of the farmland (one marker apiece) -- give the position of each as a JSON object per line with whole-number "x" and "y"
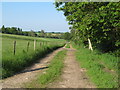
{"x": 24, "y": 55}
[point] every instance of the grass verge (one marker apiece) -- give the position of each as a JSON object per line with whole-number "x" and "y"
{"x": 96, "y": 70}
{"x": 67, "y": 45}
{"x": 10, "y": 67}
{"x": 54, "y": 70}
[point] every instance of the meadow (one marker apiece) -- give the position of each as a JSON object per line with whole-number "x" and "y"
{"x": 102, "y": 68}
{"x": 25, "y": 55}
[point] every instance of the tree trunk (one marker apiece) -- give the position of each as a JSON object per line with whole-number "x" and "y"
{"x": 90, "y": 45}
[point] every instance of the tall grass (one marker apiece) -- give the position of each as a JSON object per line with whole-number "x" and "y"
{"x": 14, "y": 63}
{"x": 96, "y": 63}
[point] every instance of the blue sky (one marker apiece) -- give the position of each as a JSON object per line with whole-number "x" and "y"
{"x": 33, "y": 16}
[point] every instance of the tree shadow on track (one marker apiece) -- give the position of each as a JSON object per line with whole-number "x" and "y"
{"x": 32, "y": 70}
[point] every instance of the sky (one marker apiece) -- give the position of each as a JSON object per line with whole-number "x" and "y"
{"x": 33, "y": 16}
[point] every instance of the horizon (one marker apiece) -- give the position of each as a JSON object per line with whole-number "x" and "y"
{"x": 34, "y": 30}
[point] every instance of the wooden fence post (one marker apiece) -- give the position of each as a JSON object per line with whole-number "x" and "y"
{"x": 14, "y": 47}
{"x": 34, "y": 44}
{"x": 28, "y": 46}
{"x": 40, "y": 44}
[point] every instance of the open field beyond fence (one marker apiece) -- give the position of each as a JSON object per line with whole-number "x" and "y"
{"x": 21, "y": 51}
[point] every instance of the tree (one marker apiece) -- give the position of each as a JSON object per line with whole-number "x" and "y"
{"x": 67, "y": 36}
{"x": 3, "y": 29}
{"x": 19, "y": 31}
{"x": 13, "y": 30}
{"x": 49, "y": 35}
{"x": 94, "y": 21}
{"x": 42, "y": 33}
{"x": 25, "y": 33}
{"x": 32, "y": 33}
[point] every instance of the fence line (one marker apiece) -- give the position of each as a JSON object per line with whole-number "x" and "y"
{"x": 34, "y": 45}
{"x": 28, "y": 44}
{"x": 14, "y": 47}
{"x": 42, "y": 43}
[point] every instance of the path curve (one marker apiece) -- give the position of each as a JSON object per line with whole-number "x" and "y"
{"x": 29, "y": 73}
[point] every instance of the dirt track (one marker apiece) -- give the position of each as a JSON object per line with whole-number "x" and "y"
{"x": 29, "y": 73}
{"x": 73, "y": 76}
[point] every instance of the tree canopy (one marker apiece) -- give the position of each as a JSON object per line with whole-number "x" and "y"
{"x": 98, "y": 21}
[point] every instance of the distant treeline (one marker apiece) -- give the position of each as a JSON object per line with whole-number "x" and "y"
{"x": 16, "y": 31}
{"x": 41, "y": 33}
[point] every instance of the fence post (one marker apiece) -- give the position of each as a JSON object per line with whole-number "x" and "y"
{"x": 28, "y": 46}
{"x": 34, "y": 44}
{"x": 14, "y": 47}
{"x": 40, "y": 44}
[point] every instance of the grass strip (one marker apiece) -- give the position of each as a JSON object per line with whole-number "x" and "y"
{"x": 54, "y": 70}
{"x": 52, "y": 73}
{"x": 95, "y": 70}
{"x": 67, "y": 45}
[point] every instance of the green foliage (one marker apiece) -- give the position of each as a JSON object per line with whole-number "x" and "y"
{"x": 12, "y": 30}
{"x": 17, "y": 31}
{"x": 32, "y": 33}
{"x": 96, "y": 65}
{"x": 57, "y": 35}
{"x": 98, "y": 21}
{"x": 54, "y": 69}
{"x": 42, "y": 33}
{"x": 14, "y": 63}
{"x": 67, "y": 36}
{"x": 2, "y": 29}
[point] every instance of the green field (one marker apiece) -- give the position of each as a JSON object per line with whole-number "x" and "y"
{"x": 24, "y": 55}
